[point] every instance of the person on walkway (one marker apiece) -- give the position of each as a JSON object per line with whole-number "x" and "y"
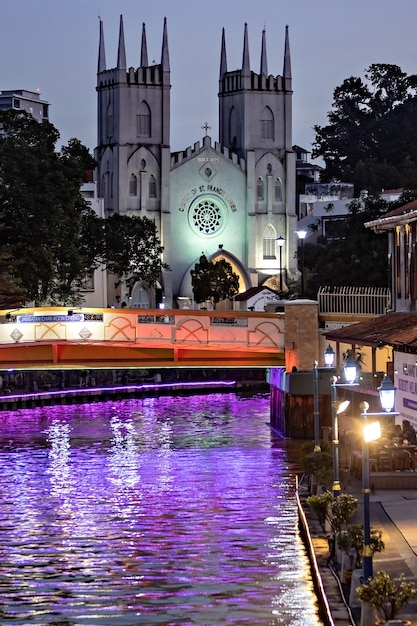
{"x": 409, "y": 433}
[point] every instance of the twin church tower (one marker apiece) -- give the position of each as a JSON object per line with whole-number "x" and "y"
{"x": 230, "y": 198}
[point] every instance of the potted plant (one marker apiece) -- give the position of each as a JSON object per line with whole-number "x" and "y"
{"x": 352, "y": 540}
{"x": 318, "y": 465}
{"x": 336, "y": 510}
{"x": 385, "y": 595}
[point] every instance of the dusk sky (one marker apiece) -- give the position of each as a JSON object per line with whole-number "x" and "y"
{"x": 51, "y": 46}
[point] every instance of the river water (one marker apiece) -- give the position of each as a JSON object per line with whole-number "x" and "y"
{"x": 169, "y": 511}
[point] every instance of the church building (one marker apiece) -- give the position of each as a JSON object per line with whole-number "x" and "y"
{"x": 231, "y": 198}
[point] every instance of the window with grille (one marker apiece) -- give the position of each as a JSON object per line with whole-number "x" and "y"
{"x": 269, "y": 242}
{"x": 87, "y": 283}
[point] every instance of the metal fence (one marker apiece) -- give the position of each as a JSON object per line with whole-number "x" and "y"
{"x": 354, "y": 300}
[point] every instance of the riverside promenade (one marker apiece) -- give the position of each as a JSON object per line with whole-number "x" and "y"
{"x": 392, "y": 511}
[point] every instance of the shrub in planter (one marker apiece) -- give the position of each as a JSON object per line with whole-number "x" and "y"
{"x": 336, "y": 510}
{"x": 386, "y": 595}
{"x": 353, "y": 539}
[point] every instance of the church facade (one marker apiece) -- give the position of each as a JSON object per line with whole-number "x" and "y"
{"x": 231, "y": 198}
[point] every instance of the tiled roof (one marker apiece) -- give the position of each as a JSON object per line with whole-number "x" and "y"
{"x": 395, "y": 329}
{"x": 402, "y": 210}
{"x": 253, "y": 291}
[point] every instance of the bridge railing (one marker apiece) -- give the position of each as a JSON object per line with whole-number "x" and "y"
{"x": 57, "y": 334}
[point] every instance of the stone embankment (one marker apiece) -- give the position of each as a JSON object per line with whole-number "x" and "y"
{"x": 392, "y": 511}
{"x": 334, "y": 610}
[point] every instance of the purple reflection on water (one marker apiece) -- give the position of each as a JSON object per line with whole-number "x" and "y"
{"x": 155, "y": 511}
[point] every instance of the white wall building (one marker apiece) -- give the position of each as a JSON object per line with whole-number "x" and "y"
{"x": 230, "y": 198}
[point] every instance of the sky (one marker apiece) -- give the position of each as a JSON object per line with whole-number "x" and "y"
{"x": 52, "y": 46}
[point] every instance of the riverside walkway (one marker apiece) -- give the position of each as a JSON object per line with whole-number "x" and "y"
{"x": 392, "y": 511}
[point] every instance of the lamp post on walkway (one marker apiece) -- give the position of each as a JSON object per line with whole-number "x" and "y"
{"x": 280, "y": 242}
{"x": 351, "y": 371}
{"x": 328, "y": 359}
{"x": 302, "y": 234}
{"x": 371, "y": 432}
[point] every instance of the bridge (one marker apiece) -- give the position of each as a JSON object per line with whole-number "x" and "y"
{"x": 86, "y": 338}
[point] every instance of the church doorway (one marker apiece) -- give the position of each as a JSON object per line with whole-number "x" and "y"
{"x": 140, "y": 298}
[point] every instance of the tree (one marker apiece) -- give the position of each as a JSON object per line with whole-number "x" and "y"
{"x": 371, "y": 130}
{"x": 50, "y": 235}
{"x": 133, "y": 249}
{"x": 386, "y": 595}
{"x": 353, "y": 538}
{"x": 350, "y": 250}
{"x": 336, "y": 510}
{"x": 213, "y": 280}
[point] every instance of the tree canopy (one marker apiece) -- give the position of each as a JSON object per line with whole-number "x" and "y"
{"x": 49, "y": 233}
{"x": 213, "y": 280}
{"x": 133, "y": 249}
{"x": 50, "y": 238}
{"x": 371, "y": 137}
{"x": 352, "y": 254}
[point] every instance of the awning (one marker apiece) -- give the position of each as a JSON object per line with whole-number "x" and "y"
{"x": 398, "y": 330}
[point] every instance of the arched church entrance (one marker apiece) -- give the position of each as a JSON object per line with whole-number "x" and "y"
{"x": 186, "y": 291}
{"x": 140, "y": 297}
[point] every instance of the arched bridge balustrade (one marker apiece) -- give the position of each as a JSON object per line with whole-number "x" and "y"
{"x": 93, "y": 338}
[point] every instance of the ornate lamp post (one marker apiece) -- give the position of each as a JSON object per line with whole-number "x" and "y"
{"x": 280, "y": 242}
{"x": 351, "y": 372}
{"x": 302, "y": 234}
{"x": 371, "y": 432}
{"x": 328, "y": 360}
{"x": 329, "y": 356}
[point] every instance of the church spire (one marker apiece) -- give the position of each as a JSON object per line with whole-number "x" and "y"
{"x": 287, "y": 56}
{"x": 264, "y": 62}
{"x": 245, "y": 60}
{"x": 144, "y": 48}
{"x": 165, "y": 51}
{"x": 223, "y": 57}
{"x": 121, "y": 54}
{"x": 101, "y": 52}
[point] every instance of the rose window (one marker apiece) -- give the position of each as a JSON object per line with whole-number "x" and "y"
{"x": 206, "y": 217}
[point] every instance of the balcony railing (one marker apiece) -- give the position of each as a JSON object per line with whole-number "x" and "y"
{"x": 354, "y": 300}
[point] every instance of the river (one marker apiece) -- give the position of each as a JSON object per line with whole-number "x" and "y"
{"x": 161, "y": 510}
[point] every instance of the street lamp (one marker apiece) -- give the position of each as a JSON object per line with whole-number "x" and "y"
{"x": 371, "y": 432}
{"x": 329, "y": 356}
{"x": 302, "y": 234}
{"x": 337, "y": 408}
{"x": 387, "y": 394}
{"x": 316, "y": 415}
{"x": 351, "y": 371}
{"x": 280, "y": 242}
{"x": 328, "y": 360}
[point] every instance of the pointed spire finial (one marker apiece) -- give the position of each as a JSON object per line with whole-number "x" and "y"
{"x": 223, "y": 57}
{"x": 165, "y": 51}
{"x": 245, "y": 61}
{"x": 144, "y": 48}
{"x": 287, "y": 56}
{"x": 264, "y": 62}
{"x": 121, "y": 54}
{"x": 101, "y": 51}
